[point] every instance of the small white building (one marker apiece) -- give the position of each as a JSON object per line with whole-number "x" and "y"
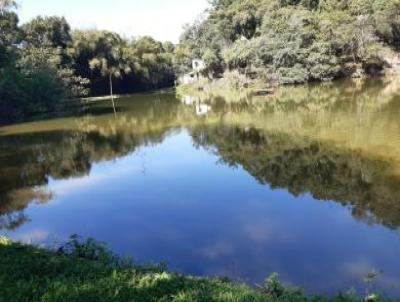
{"x": 197, "y": 67}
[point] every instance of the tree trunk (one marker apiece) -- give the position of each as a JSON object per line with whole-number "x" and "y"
{"x": 112, "y": 95}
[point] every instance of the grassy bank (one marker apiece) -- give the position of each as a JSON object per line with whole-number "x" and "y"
{"x": 88, "y": 271}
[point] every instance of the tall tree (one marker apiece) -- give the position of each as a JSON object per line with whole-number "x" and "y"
{"x": 102, "y": 53}
{"x": 51, "y": 32}
{"x": 9, "y": 37}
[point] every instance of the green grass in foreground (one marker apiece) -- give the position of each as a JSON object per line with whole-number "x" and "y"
{"x": 88, "y": 271}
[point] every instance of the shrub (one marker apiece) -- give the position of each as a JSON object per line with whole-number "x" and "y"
{"x": 26, "y": 95}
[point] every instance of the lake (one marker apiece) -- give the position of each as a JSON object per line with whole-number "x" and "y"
{"x": 305, "y": 183}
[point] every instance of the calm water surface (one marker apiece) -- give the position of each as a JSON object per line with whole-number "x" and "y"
{"x": 306, "y": 183}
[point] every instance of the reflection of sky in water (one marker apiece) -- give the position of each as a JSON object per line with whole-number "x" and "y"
{"x": 175, "y": 203}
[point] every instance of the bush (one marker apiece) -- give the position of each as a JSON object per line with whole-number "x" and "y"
{"x": 27, "y": 95}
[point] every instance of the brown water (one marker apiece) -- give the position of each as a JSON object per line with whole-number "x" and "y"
{"x": 305, "y": 183}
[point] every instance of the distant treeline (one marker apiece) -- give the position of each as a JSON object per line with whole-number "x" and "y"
{"x": 43, "y": 63}
{"x": 294, "y": 41}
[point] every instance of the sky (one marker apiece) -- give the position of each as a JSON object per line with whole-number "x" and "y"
{"x": 161, "y": 19}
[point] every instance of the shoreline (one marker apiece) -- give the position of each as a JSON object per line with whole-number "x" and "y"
{"x": 94, "y": 99}
{"x": 88, "y": 271}
{"x": 243, "y": 89}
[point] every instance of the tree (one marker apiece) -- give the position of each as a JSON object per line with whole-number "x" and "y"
{"x": 46, "y": 46}
{"x": 110, "y": 64}
{"x": 151, "y": 62}
{"x": 101, "y": 54}
{"x": 294, "y": 41}
{"x": 386, "y": 16}
{"x": 10, "y": 36}
{"x": 53, "y": 32}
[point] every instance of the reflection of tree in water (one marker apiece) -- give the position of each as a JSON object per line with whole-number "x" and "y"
{"x": 302, "y": 166}
{"x": 12, "y": 207}
{"x": 27, "y": 162}
{"x": 337, "y": 96}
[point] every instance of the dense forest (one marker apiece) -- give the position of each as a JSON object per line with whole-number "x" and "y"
{"x": 43, "y": 63}
{"x": 294, "y": 41}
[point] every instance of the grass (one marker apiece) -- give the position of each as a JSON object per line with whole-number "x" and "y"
{"x": 87, "y": 271}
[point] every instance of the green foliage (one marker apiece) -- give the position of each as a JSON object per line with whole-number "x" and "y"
{"x": 295, "y": 41}
{"x": 29, "y": 273}
{"x": 93, "y": 250}
{"x": 51, "y": 32}
{"x": 24, "y": 95}
{"x": 76, "y": 64}
{"x": 10, "y": 35}
{"x": 274, "y": 289}
{"x": 35, "y": 67}
{"x": 280, "y": 41}
{"x": 240, "y": 55}
{"x": 151, "y": 62}
{"x": 142, "y": 64}
{"x": 98, "y": 51}
{"x": 46, "y": 43}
